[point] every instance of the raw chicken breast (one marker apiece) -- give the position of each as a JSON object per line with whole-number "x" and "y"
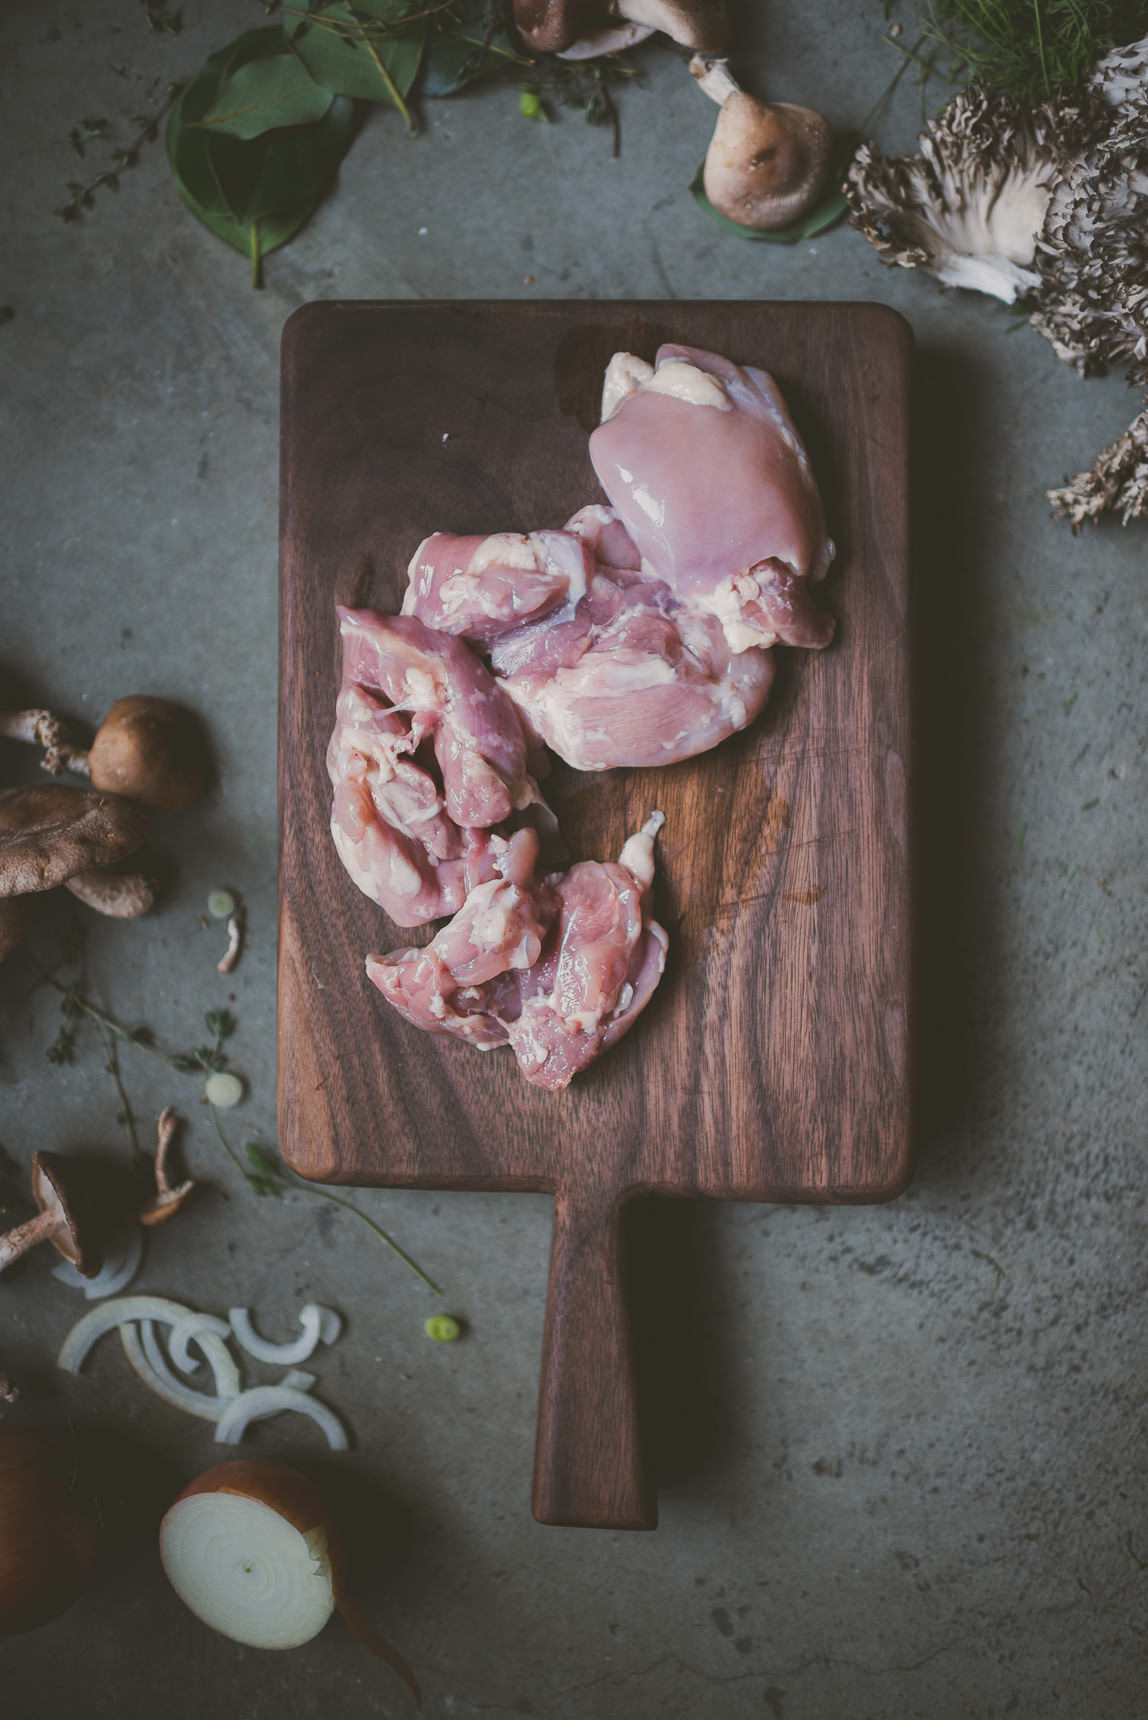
{"x": 479, "y": 587}
{"x": 558, "y": 969}
{"x": 700, "y": 460}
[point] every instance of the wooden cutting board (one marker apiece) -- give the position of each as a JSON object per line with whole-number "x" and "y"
{"x": 773, "y": 1063}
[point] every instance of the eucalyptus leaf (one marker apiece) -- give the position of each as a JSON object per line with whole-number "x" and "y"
{"x": 825, "y": 213}
{"x": 273, "y": 91}
{"x": 340, "y": 51}
{"x": 256, "y": 193}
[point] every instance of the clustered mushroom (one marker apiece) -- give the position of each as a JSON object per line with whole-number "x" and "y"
{"x": 1048, "y": 205}
{"x": 148, "y": 755}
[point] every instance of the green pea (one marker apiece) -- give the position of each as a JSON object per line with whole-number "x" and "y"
{"x": 442, "y": 1328}
{"x": 529, "y": 104}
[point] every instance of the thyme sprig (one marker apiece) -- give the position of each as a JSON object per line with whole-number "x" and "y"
{"x": 1030, "y": 47}
{"x": 83, "y": 195}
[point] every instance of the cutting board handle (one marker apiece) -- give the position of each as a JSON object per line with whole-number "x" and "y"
{"x": 588, "y": 1462}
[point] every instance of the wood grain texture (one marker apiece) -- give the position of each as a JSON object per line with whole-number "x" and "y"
{"x": 773, "y": 1063}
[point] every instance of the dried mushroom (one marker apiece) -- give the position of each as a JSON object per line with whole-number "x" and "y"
{"x": 1045, "y": 204}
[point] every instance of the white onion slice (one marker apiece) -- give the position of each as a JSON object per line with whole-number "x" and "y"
{"x": 228, "y": 1383}
{"x": 120, "y": 1266}
{"x": 320, "y": 1325}
{"x": 79, "y": 1341}
{"x": 150, "y": 1364}
{"x": 262, "y": 1401}
{"x": 247, "y": 1571}
{"x": 297, "y": 1380}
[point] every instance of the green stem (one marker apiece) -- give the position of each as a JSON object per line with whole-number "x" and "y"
{"x": 305, "y": 1187}
{"x": 112, "y": 1065}
{"x": 1040, "y": 46}
{"x": 256, "y": 256}
{"x": 392, "y": 87}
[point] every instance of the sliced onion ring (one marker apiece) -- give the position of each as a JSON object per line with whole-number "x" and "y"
{"x": 253, "y": 1550}
{"x": 263, "y": 1401}
{"x": 109, "y": 1315}
{"x": 121, "y": 1264}
{"x": 150, "y": 1363}
{"x": 320, "y": 1325}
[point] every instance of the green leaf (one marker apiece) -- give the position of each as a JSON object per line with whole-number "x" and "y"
{"x": 826, "y": 212}
{"x": 264, "y": 94}
{"x": 275, "y": 180}
{"x": 340, "y": 51}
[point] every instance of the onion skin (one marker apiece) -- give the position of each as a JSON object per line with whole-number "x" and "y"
{"x": 48, "y": 1549}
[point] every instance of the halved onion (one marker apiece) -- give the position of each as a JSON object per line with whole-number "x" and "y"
{"x": 252, "y": 1548}
{"x": 248, "y": 1548}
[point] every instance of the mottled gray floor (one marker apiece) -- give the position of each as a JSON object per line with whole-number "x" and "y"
{"x": 903, "y": 1445}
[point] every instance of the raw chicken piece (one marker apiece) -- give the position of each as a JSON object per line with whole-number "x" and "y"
{"x": 702, "y": 463}
{"x": 558, "y": 969}
{"x": 478, "y": 587}
{"x": 428, "y": 756}
{"x": 636, "y": 678}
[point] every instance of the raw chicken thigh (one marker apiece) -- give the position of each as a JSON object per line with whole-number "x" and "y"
{"x": 637, "y": 634}
{"x": 700, "y": 459}
{"x": 557, "y": 969}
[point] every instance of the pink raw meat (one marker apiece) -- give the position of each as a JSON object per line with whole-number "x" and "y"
{"x": 701, "y": 461}
{"x": 558, "y": 969}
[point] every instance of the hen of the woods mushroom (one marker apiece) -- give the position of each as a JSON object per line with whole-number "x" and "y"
{"x": 1047, "y": 205}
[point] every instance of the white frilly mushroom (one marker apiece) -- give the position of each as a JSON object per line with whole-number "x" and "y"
{"x": 1045, "y": 204}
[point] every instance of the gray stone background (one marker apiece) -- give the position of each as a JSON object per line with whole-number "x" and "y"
{"x": 902, "y": 1447}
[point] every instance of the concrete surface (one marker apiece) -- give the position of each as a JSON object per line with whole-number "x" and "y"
{"x": 902, "y": 1445}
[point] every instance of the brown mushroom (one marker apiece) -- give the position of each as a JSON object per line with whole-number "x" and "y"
{"x": 66, "y": 1218}
{"x": 168, "y": 1197}
{"x": 768, "y": 162}
{"x": 50, "y": 833}
{"x": 119, "y": 895}
{"x": 146, "y": 750}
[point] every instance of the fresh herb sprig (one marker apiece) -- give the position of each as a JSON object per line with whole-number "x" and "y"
{"x": 1030, "y": 47}
{"x": 264, "y": 1173}
{"x": 123, "y": 157}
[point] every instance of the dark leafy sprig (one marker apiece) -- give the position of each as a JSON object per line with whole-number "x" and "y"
{"x": 83, "y": 194}
{"x": 555, "y": 83}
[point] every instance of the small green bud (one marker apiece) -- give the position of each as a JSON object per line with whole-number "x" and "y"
{"x": 442, "y": 1328}
{"x": 529, "y": 104}
{"x": 221, "y": 904}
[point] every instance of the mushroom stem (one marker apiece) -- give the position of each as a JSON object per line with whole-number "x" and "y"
{"x": 26, "y": 1236}
{"x": 45, "y": 729}
{"x": 168, "y": 1197}
{"x": 714, "y": 77}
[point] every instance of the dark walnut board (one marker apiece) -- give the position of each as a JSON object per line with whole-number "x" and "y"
{"x": 773, "y": 1062}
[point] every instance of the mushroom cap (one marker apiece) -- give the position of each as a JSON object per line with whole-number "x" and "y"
{"x": 49, "y": 833}
{"x": 768, "y": 162}
{"x": 61, "y": 1187}
{"x": 151, "y": 752}
{"x": 553, "y": 26}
